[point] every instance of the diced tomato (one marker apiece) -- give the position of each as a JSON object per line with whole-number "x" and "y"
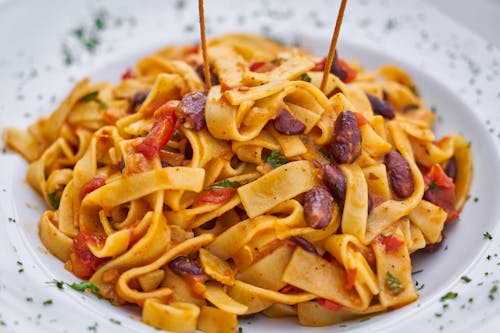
{"x": 254, "y": 66}
{"x": 330, "y": 305}
{"x": 392, "y": 244}
{"x": 217, "y": 195}
{"x": 351, "y": 278}
{"x": 319, "y": 66}
{"x": 441, "y": 191}
{"x": 128, "y": 74}
{"x": 360, "y": 119}
{"x": 262, "y": 67}
{"x": 287, "y": 289}
{"x": 351, "y": 73}
{"x": 192, "y": 50}
{"x": 438, "y": 177}
{"x": 163, "y": 129}
{"x": 83, "y": 261}
{"x": 92, "y": 185}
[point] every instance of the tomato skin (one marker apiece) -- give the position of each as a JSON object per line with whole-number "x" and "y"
{"x": 163, "y": 129}
{"x": 437, "y": 175}
{"x": 441, "y": 191}
{"x": 128, "y": 74}
{"x": 392, "y": 244}
{"x": 351, "y": 73}
{"x": 83, "y": 262}
{"x": 330, "y": 305}
{"x": 287, "y": 289}
{"x": 360, "y": 119}
{"x": 254, "y": 66}
{"x": 92, "y": 185}
{"x": 216, "y": 195}
{"x": 319, "y": 66}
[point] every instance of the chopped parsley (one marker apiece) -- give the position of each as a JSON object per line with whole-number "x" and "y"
{"x": 421, "y": 287}
{"x": 47, "y": 302}
{"x": 365, "y": 319}
{"x": 416, "y": 272}
{"x": 93, "y": 327}
{"x": 449, "y": 295}
{"x": 84, "y": 285}
{"x": 29, "y": 299}
{"x": 114, "y": 321}
{"x": 393, "y": 284}
{"x": 224, "y": 184}
{"x": 487, "y": 235}
{"x": 305, "y": 77}
{"x": 58, "y": 284}
{"x": 434, "y": 185}
{"x": 276, "y": 159}
{"x": 94, "y": 97}
{"x": 240, "y": 330}
{"x": 465, "y": 278}
{"x": 492, "y": 292}
{"x": 55, "y": 199}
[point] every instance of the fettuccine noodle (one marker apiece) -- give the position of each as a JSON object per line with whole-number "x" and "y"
{"x": 262, "y": 195}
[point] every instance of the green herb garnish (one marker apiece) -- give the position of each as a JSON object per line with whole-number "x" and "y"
{"x": 94, "y": 97}
{"x": 114, "y": 321}
{"x": 393, "y": 284}
{"x": 55, "y": 199}
{"x": 449, "y": 295}
{"x": 492, "y": 292}
{"x": 305, "y": 77}
{"x": 224, "y": 184}
{"x": 84, "y": 285}
{"x": 487, "y": 235}
{"x": 416, "y": 272}
{"x": 48, "y": 302}
{"x": 276, "y": 159}
{"x": 465, "y": 278}
{"x": 58, "y": 284}
{"x": 434, "y": 185}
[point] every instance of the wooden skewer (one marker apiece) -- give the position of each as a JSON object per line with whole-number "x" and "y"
{"x": 333, "y": 44}
{"x": 203, "y": 34}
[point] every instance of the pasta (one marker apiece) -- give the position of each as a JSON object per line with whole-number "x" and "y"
{"x": 262, "y": 195}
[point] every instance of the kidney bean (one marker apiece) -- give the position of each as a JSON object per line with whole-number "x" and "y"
{"x": 191, "y": 110}
{"x": 346, "y": 142}
{"x": 337, "y": 69}
{"x": 318, "y": 207}
{"x": 399, "y": 174}
{"x": 200, "y": 70}
{"x": 451, "y": 168}
{"x": 304, "y": 243}
{"x": 381, "y": 107}
{"x": 336, "y": 182}
{"x": 286, "y": 123}
{"x": 138, "y": 98}
{"x": 182, "y": 264}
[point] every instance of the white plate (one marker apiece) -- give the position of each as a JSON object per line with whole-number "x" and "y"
{"x": 455, "y": 71}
